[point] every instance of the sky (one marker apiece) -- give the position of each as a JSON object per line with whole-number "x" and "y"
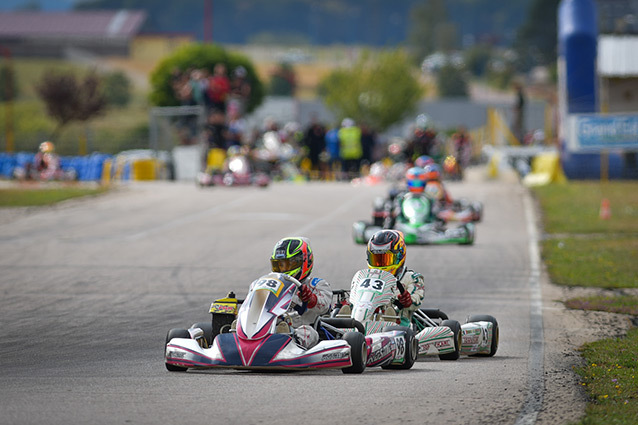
{"x": 47, "y": 5}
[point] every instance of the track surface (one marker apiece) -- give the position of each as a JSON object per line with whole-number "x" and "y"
{"x": 90, "y": 288}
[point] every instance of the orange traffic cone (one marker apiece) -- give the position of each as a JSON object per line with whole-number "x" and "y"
{"x": 605, "y": 210}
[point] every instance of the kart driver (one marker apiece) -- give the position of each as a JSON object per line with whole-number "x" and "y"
{"x": 386, "y": 251}
{"x": 293, "y": 256}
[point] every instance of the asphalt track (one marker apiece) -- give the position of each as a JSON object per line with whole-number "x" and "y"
{"x": 90, "y": 288}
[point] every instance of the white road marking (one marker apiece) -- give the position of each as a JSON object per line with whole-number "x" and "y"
{"x": 536, "y": 382}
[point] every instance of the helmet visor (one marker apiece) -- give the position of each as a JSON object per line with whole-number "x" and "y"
{"x": 382, "y": 260}
{"x": 285, "y": 265}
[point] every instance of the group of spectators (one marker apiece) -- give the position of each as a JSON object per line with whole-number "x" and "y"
{"x": 223, "y": 96}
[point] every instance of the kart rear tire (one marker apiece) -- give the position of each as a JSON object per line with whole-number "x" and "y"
{"x": 175, "y": 333}
{"x": 495, "y": 332}
{"x": 455, "y": 326}
{"x": 221, "y": 324}
{"x": 411, "y": 348}
{"x": 358, "y": 352}
{"x": 207, "y": 327}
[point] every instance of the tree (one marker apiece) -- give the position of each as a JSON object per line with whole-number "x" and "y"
{"x": 378, "y": 92}
{"x": 205, "y": 57}
{"x": 426, "y": 20}
{"x": 536, "y": 40}
{"x": 283, "y": 81}
{"x": 117, "y": 88}
{"x": 9, "y": 86}
{"x": 69, "y": 99}
{"x": 451, "y": 81}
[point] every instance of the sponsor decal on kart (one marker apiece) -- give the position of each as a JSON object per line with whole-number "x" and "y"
{"x": 226, "y": 308}
{"x": 380, "y": 354}
{"x": 334, "y": 356}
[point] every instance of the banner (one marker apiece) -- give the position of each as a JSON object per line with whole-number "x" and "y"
{"x": 595, "y": 132}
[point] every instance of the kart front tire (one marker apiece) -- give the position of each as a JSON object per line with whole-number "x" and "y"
{"x": 411, "y": 348}
{"x": 358, "y": 352}
{"x": 455, "y": 326}
{"x": 495, "y": 332}
{"x": 175, "y": 333}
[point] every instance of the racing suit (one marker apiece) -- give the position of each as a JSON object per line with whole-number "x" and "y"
{"x": 303, "y": 319}
{"x": 414, "y": 283}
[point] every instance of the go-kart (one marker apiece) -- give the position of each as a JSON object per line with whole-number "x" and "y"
{"x": 256, "y": 333}
{"x": 371, "y": 301}
{"x": 446, "y": 209}
{"x": 236, "y": 171}
{"x": 417, "y": 222}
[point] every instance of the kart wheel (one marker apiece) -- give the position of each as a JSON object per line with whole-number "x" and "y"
{"x": 495, "y": 332}
{"x": 221, "y": 324}
{"x": 175, "y": 333}
{"x": 207, "y": 327}
{"x": 411, "y": 347}
{"x": 469, "y": 229}
{"x": 455, "y": 326}
{"x": 358, "y": 352}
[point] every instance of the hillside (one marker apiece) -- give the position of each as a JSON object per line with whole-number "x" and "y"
{"x": 367, "y": 22}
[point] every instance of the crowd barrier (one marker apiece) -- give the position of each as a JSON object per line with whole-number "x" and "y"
{"x": 95, "y": 167}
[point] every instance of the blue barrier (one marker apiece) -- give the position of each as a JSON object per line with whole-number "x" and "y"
{"x": 87, "y": 168}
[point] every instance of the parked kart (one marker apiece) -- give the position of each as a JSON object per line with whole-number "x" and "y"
{"x": 417, "y": 222}
{"x": 371, "y": 301}
{"x": 256, "y": 333}
{"x": 236, "y": 172}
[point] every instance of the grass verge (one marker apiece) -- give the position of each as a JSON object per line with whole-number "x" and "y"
{"x": 582, "y": 249}
{"x": 610, "y": 378}
{"x": 39, "y": 197}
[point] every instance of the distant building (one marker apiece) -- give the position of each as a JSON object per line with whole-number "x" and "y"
{"x": 618, "y": 73}
{"x": 55, "y": 34}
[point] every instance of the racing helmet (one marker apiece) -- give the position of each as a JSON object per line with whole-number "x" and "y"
{"x": 415, "y": 179}
{"x": 386, "y": 251}
{"x": 432, "y": 172}
{"x": 422, "y": 122}
{"x": 292, "y": 256}
{"x": 449, "y": 164}
{"x": 46, "y": 147}
{"x": 423, "y": 160}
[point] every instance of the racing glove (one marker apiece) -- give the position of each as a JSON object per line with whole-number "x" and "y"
{"x": 306, "y": 295}
{"x": 405, "y": 299}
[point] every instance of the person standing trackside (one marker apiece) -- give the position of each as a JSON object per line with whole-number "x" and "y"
{"x": 350, "y": 147}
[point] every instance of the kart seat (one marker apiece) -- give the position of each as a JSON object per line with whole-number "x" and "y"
{"x": 345, "y": 311}
{"x": 283, "y": 328}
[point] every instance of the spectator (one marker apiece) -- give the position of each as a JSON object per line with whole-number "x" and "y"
{"x": 350, "y": 148}
{"x": 216, "y": 130}
{"x": 315, "y": 141}
{"x": 199, "y": 84}
{"x": 518, "y": 127}
{"x": 236, "y": 126}
{"x": 423, "y": 139}
{"x": 218, "y": 88}
{"x": 368, "y": 141}
{"x": 462, "y": 147}
{"x": 240, "y": 89}
{"x": 332, "y": 148}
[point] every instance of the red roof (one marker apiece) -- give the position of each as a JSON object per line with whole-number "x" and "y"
{"x": 118, "y": 23}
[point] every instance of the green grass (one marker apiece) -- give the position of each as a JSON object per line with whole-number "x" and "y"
{"x": 584, "y": 250}
{"x": 575, "y": 207}
{"x": 611, "y": 380}
{"x": 40, "y": 197}
{"x": 593, "y": 262}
